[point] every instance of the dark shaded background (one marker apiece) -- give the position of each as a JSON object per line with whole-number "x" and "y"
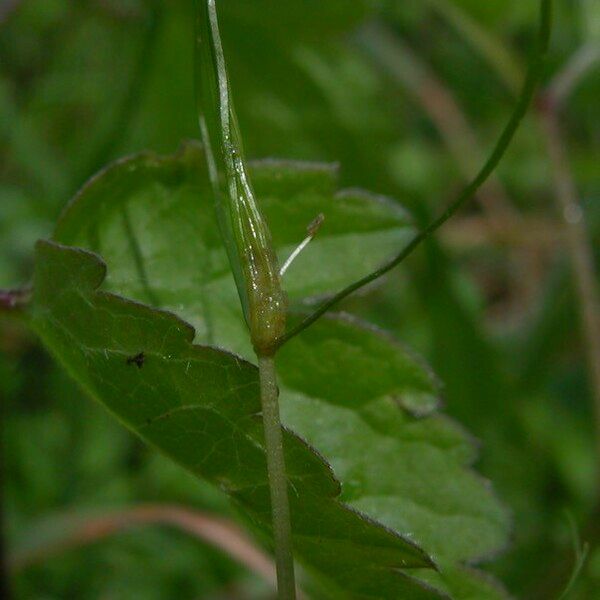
{"x": 407, "y": 97}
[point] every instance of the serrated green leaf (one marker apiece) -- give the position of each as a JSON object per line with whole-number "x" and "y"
{"x": 350, "y": 391}
{"x": 465, "y": 583}
{"x": 201, "y": 407}
{"x": 407, "y": 473}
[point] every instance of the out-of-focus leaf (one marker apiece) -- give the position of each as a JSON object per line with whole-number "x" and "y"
{"x": 133, "y": 212}
{"x": 492, "y": 49}
{"x": 301, "y": 19}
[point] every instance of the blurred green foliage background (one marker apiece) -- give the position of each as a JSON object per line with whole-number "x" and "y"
{"x": 406, "y": 97}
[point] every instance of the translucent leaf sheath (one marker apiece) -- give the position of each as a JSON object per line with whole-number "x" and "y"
{"x": 243, "y": 227}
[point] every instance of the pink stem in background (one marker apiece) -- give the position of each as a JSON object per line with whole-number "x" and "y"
{"x": 216, "y": 531}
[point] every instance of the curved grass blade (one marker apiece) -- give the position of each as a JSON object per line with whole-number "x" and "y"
{"x": 533, "y": 77}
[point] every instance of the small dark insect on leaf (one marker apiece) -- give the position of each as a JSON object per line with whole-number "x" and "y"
{"x": 137, "y": 360}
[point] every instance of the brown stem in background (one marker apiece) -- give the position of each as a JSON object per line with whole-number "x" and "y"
{"x": 407, "y": 68}
{"x": 579, "y": 243}
{"x": 77, "y": 531}
{"x": 530, "y": 233}
{"x": 579, "y": 246}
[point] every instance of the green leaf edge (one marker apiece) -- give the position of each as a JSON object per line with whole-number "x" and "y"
{"x": 187, "y": 331}
{"x": 186, "y": 158}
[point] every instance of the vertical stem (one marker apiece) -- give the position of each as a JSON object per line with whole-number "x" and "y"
{"x": 580, "y": 253}
{"x": 280, "y": 507}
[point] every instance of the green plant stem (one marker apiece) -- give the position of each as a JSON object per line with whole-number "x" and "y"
{"x": 280, "y": 506}
{"x": 533, "y": 77}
